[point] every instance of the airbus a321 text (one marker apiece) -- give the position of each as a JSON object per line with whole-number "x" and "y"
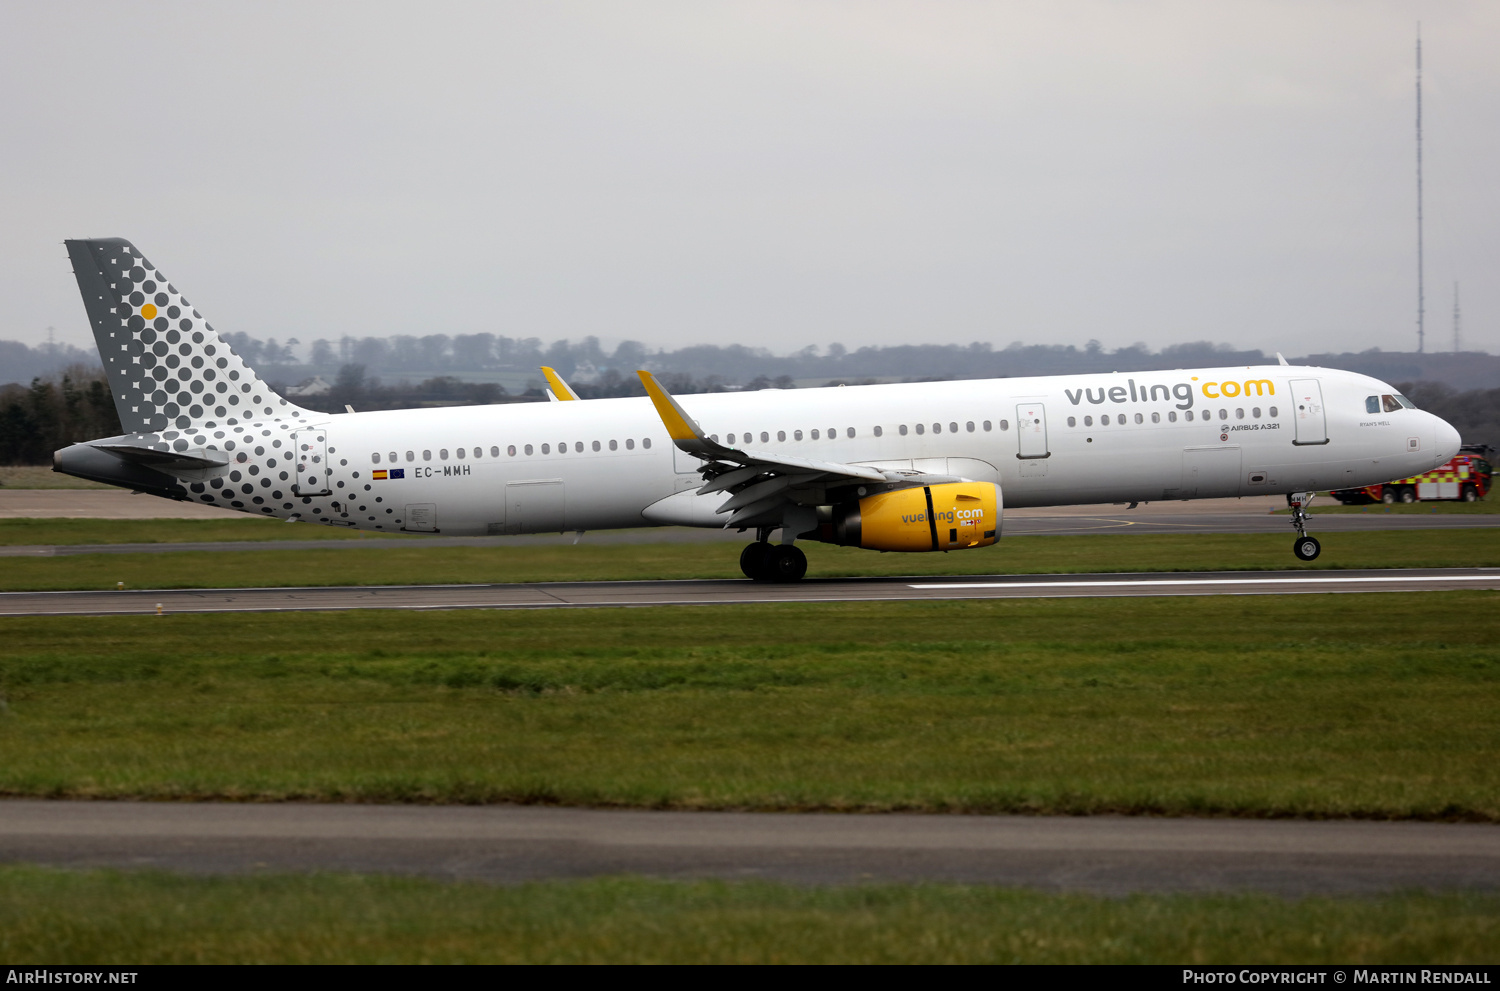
{"x": 915, "y": 467}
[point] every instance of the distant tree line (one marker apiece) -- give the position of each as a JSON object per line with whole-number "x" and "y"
{"x": 586, "y": 363}
{"x": 736, "y": 365}
{"x": 52, "y": 413}
{"x": 1475, "y": 412}
{"x": 352, "y": 386}
{"x": 21, "y": 364}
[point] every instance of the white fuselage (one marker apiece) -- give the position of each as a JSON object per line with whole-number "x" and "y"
{"x": 608, "y": 463}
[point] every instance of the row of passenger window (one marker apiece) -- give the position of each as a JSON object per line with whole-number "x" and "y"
{"x": 832, "y": 433}
{"x": 1203, "y": 414}
{"x": 748, "y": 437}
{"x": 510, "y": 451}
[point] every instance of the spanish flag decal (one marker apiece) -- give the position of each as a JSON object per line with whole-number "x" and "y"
{"x": 378, "y": 475}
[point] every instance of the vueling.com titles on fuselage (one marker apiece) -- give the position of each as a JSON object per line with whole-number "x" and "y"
{"x": 1181, "y": 391}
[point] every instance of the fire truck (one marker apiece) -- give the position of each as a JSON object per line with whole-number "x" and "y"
{"x": 1465, "y": 478}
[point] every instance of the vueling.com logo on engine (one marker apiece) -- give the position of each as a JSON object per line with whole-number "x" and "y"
{"x": 946, "y": 516}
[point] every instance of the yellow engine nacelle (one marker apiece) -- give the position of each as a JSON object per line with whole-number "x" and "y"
{"x": 948, "y": 517}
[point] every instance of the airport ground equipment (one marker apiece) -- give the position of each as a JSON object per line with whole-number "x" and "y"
{"x": 1467, "y": 477}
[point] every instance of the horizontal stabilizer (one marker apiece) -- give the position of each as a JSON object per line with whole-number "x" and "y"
{"x": 166, "y": 460}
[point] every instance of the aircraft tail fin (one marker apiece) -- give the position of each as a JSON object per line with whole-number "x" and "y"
{"x": 167, "y": 367}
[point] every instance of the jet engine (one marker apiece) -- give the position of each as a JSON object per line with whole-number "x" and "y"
{"x": 947, "y": 517}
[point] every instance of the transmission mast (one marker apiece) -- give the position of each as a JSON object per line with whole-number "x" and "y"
{"x": 1457, "y": 341}
{"x": 1421, "y": 301}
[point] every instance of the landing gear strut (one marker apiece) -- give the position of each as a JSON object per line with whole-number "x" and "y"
{"x": 1306, "y": 548}
{"x": 767, "y": 562}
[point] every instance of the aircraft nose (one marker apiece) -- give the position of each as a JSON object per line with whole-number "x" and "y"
{"x": 1447, "y": 440}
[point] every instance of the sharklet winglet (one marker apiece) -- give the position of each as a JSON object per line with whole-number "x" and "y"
{"x": 689, "y": 437}
{"x": 561, "y": 391}
{"x": 683, "y": 429}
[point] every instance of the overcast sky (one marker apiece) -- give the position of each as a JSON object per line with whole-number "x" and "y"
{"x": 778, "y": 174}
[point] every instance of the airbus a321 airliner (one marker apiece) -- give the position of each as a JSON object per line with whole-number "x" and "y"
{"x": 915, "y": 467}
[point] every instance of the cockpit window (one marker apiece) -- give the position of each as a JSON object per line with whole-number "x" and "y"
{"x": 1387, "y": 404}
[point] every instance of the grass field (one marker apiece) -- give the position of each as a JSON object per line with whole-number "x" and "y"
{"x": 66, "y": 531}
{"x": 382, "y": 562}
{"x": 101, "y": 917}
{"x": 43, "y": 477}
{"x": 1369, "y": 705}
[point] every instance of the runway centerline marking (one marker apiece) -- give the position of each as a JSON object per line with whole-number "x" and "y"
{"x": 1210, "y": 581}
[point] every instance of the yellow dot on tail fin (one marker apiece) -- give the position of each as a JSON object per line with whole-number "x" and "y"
{"x": 148, "y": 311}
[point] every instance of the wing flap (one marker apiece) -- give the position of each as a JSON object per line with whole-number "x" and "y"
{"x": 689, "y": 436}
{"x": 763, "y": 485}
{"x": 731, "y": 478}
{"x": 775, "y": 485}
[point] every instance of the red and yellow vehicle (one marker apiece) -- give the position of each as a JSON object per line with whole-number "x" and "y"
{"x": 1465, "y": 478}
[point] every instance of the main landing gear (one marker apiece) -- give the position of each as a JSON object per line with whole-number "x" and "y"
{"x": 766, "y": 562}
{"x": 1306, "y": 548}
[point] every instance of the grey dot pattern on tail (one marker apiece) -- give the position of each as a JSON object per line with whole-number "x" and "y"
{"x": 167, "y": 363}
{"x": 180, "y": 387}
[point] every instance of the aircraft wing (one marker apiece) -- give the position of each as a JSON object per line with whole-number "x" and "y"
{"x": 763, "y": 484}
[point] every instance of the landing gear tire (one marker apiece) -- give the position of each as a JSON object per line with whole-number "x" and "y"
{"x": 1306, "y": 548}
{"x": 753, "y": 560}
{"x": 786, "y": 564}
{"x": 773, "y": 562}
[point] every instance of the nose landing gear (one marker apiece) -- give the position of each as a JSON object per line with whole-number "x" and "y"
{"x": 1306, "y": 548}
{"x": 766, "y": 562}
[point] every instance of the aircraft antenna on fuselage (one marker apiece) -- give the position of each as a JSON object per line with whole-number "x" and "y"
{"x": 1421, "y": 298}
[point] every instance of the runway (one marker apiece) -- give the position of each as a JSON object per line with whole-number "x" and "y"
{"x": 720, "y": 592}
{"x": 1247, "y": 515}
{"x": 1278, "y": 524}
{"x": 1015, "y": 526}
{"x": 1111, "y": 855}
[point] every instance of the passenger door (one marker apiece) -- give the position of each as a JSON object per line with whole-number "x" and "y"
{"x": 312, "y": 461}
{"x": 685, "y": 467}
{"x": 1031, "y": 431}
{"x": 1307, "y": 409}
